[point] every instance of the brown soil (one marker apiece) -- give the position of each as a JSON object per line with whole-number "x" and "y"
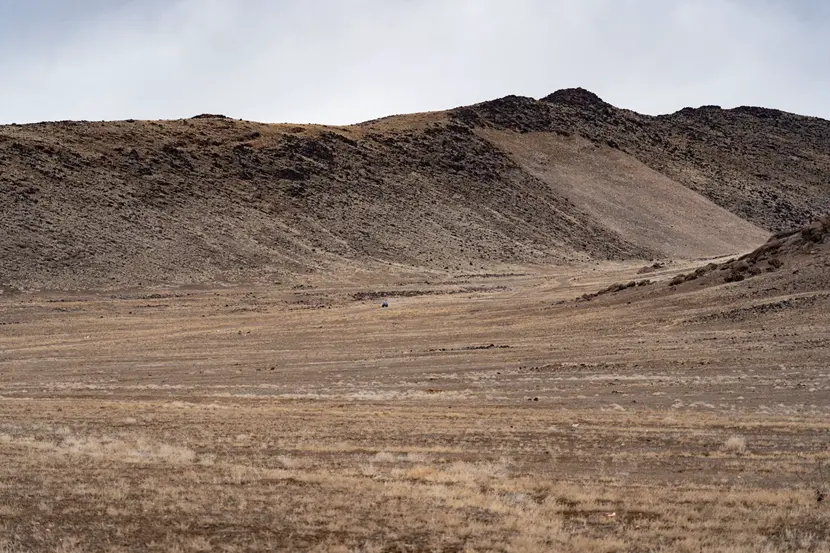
{"x": 767, "y": 166}
{"x": 215, "y": 372}
{"x": 511, "y": 418}
{"x": 628, "y": 197}
{"x": 215, "y": 199}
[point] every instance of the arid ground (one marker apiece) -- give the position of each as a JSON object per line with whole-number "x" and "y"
{"x": 194, "y": 357}
{"x": 481, "y": 412}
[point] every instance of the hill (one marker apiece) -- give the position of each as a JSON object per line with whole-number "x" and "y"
{"x": 768, "y": 166}
{"x": 790, "y": 262}
{"x": 792, "y": 268}
{"x": 564, "y": 179}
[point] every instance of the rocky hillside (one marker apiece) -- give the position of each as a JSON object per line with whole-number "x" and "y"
{"x": 208, "y": 198}
{"x": 770, "y": 167}
{"x": 799, "y": 258}
{"x": 87, "y": 204}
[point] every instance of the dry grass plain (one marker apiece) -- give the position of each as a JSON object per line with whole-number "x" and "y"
{"x": 477, "y": 413}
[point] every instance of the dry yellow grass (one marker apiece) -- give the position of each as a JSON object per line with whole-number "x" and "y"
{"x": 602, "y": 426}
{"x": 190, "y": 484}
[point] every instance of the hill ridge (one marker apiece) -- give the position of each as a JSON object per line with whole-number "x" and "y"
{"x": 210, "y": 197}
{"x": 740, "y": 158}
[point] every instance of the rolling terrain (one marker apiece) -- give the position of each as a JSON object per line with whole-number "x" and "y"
{"x": 606, "y": 332}
{"x": 564, "y": 179}
{"x": 481, "y": 412}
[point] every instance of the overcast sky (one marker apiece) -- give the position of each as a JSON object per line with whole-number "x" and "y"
{"x": 344, "y": 61}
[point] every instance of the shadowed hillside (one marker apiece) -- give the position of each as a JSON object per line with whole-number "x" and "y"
{"x": 210, "y": 198}
{"x": 565, "y": 179}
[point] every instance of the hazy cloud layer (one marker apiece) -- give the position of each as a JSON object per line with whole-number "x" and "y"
{"x": 338, "y": 61}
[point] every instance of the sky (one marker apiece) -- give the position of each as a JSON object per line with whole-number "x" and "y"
{"x": 345, "y": 61}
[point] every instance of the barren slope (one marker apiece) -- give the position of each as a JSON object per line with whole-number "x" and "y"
{"x": 768, "y": 166}
{"x": 86, "y": 204}
{"x": 795, "y": 261}
{"x": 628, "y": 197}
{"x": 210, "y": 198}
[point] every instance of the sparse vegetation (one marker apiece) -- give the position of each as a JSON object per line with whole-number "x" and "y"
{"x": 735, "y": 444}
{"x": 188, "y": 362}
{"x": 501, "y": 491}
{"x": 499, "y": 420}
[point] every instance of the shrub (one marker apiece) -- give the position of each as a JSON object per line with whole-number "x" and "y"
{"x": 735, "y": 444}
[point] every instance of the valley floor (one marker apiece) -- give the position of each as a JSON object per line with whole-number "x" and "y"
{"x": 476, "y": 413}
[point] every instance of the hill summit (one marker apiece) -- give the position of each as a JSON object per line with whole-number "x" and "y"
{"x": 578, "y": 97}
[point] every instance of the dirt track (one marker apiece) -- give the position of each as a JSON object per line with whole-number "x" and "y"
{"x": 492, "y": 412}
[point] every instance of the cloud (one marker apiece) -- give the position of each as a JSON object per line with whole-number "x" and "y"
{"x": 341, "y": 62}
